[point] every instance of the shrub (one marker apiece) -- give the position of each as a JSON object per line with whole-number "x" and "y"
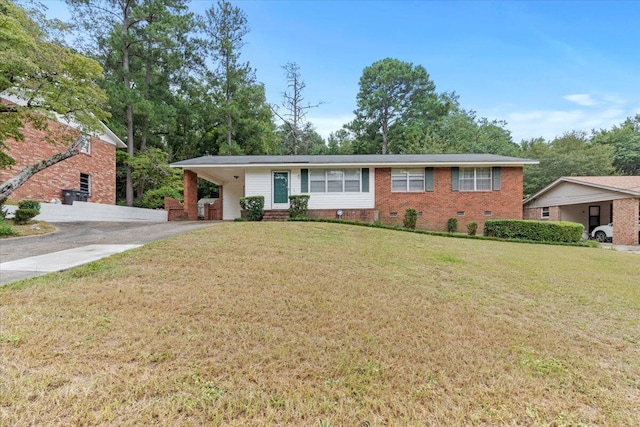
{"x": 540, "y": 231}
{"x": 5, "y": 229}
{"x": 298, "y": 206}
{"x": 29, "y": 204}
{"x": 23, "y": 216}
{"x": 452, "y": 225}
{"x": 253, "y": 206}
{"x": 3, "y": 211}
{"x": 410, "y": 218}
{"x": 154, "y": 199}
{"x": 472, "y": 228}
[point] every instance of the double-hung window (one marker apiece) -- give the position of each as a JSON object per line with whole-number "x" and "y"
{"x": 334, "y": 180}
{"x": 407, "y": 180}
{"x": 474, "y": 179}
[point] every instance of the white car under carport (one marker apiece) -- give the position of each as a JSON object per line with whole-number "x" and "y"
{"x": 604, "y": 233}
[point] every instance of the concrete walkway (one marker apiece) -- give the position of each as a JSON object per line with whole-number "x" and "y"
{"x": 58, "y": 261}
{"x": 74, "y": 244}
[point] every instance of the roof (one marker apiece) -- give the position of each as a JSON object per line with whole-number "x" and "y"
{"x": 106, "y": 135}
{"x": 622, "y": 184}
{"x": 358, "y": 159}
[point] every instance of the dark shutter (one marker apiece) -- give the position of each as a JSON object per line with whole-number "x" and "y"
{"x": 497, "y": 178}
{"x": 304, "y": 178}
{"x": 365, "y": 180}
{"x": 428, "y": 179}
{"x": 455, "y": 179}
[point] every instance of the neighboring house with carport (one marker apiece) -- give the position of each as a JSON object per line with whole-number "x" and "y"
{"x": 469, "y": 187}
{"x": 591, "y": 201}
{"x": 92, "y": 172}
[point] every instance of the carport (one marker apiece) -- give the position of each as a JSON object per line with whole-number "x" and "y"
{"x": 591, "y": 201}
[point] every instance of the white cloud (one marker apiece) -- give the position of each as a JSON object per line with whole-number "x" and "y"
{"x": 326, "y": 124}
{"x": 599, "y": 112}
{"x": 583, "y": 99}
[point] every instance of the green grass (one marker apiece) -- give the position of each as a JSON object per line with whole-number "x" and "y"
{"x": 326, "y": 325}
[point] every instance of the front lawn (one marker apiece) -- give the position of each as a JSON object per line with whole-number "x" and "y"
{"x": 320, "y": 324}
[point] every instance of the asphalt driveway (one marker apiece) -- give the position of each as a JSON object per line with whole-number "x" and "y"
{"x": 78, "y": 239}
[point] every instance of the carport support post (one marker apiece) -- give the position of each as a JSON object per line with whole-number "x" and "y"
{"x": 625, "y": 221}
{"x": 191, "y": 195}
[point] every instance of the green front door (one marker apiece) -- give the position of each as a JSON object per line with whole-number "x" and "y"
{"x": 281, "y": 188}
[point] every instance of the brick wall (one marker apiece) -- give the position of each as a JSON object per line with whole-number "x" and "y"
{"x": 365, "y": 215}
{"x": 536, "y": 213}
{"x": 625, "y": 221}
{"x": 48, "y": 184}
{"x": 441, "y": 204}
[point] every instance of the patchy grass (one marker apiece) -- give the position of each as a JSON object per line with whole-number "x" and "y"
{"x": 324, "y": 325}
{"x": 33, "y": 228}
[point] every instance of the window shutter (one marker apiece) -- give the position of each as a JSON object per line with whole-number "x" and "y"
{"x": 428, "y": 179}
{"x": 497, "y": 178}
{"x": 455, "y": 179}
{"x": 304, "y": 177}
{"x": 365, "y": 180}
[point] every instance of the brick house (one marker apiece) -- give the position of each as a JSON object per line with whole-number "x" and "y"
{"x": 592, "y": 201}
{"x": 93, "y": 170}
{"x": 469, "y": 187}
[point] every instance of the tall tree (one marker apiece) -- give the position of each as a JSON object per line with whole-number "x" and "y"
{"x": 143, "y": 45}
{"x": 47, "y": 81}
{"x": 394, "y": 93}
{"x": 625, "y": 139}
{"x": 245, "y": 123}
{"x": 296, "y": 137}
{"x": 571, "y": 154}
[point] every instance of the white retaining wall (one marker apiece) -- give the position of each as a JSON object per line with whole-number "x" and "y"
{"x": 86, "y": 211}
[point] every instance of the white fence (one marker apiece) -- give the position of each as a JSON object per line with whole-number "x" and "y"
{"x": 85, "y": 211}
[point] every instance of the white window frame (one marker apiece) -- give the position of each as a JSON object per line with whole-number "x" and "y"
{"x": 88, "y": 182}
{"x": 334, "y": 180}
{"x": 402, "y": 180}
{"x": 545, "y": 212}
{"x": 85, "y": 145}
{"x": 469, "y": 179}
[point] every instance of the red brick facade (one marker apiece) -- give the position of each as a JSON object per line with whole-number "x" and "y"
{"x": 365, "y": 215}
{"x": 437, "y": 206}
{"x": 625, "y": 219}
{"x": 536, "y": 214}
{"x": 99, "y": 164}
{"x": 190, "y": 180}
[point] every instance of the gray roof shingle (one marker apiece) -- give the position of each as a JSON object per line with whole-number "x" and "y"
{"x": 364, "y": 159}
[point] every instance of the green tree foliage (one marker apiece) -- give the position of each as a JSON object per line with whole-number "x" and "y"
{"x": 50, "y": 81}
{"x": 340, "y": 142}
{"x": 625, "y": 139}
{"x": 393, "y": 95}
{"x": 244, "y": 121}
{"x": 572, "y": 154}
{"x": 462, "y": 132}
{"x": 146, "y": 49}
{"x": 304, "y": 140}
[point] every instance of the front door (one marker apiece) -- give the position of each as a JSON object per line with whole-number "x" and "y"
{"x": 594, "y": 217}
{"x": 280, "y": 190}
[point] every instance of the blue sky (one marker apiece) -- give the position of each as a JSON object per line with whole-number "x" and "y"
{"x": 545, "y": 67}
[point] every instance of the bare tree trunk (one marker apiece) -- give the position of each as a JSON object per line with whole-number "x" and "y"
{"x": 14, "y": 183}
{"x": 128, "y": 108}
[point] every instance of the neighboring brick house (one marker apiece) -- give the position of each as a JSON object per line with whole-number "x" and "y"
{"x": 469, "y": 187}
{"x": 591, "y": 201}
{"x": 93, "y": 170}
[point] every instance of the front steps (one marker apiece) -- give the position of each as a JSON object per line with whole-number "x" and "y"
{"x": 275, "y": 215}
